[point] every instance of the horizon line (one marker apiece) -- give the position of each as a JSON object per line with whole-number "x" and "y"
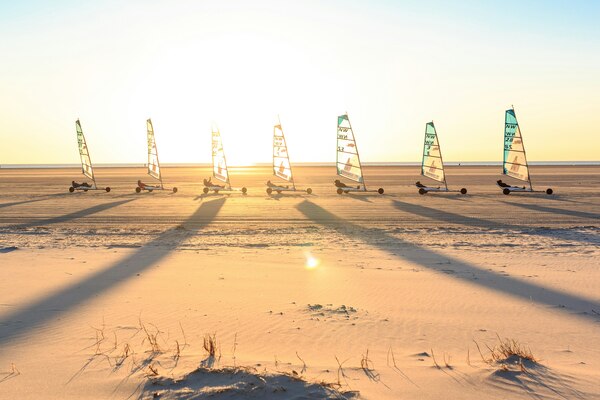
{"x": 299, "y": 164}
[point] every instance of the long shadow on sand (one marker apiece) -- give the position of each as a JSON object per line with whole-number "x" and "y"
{"x": 291, "y": 195}
{"x": 364, "y": 196}
{"x": 572, "y": 304}
{"x": 16, "y": 203}
{"x": 360, "y": 197}
{"x": 52, "y": 306}
{"x": 68, "y": 217}
{"x": 452, "y": 218}
{"x": 48, "y": 197}
{"x": 205, "y": 196}
{"x": 554, "y": 210}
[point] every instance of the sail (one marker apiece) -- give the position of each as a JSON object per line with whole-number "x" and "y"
{"x": 281, "y": 161}
{"x": 153, "y": 164}
{"x": 432, "y": 166}
{"x": 218, "y": 156}
{"x": 348, "y": 161}
{"x": 84, "y": 154}
{"x": 515, "y": 161}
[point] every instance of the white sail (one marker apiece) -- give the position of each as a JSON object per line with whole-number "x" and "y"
{"x": 515, "y": 160}
{"x": 84, "y": 154}
{"x": 347, "y": 160}
{"x": 218, "y": 157}
{"x": 153, "y": 164}
{"x": 432, "y": 165}
{"x": 281, "y": 161}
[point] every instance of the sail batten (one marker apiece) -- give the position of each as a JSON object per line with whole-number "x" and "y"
{"x": 153, "y": 163}
{"x": 515, "y": 160}
{"x": 84, "y": 154}
{"x": 432, "y": 165}
{"x": 220, "y": 171}
{"x": 282, "y": 167}
{"x": 347, "y": 158}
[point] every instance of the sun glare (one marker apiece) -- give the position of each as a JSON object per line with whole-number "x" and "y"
{"x": 311, "y": 262}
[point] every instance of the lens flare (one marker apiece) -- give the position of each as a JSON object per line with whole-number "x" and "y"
{"x": 311, "y": 262}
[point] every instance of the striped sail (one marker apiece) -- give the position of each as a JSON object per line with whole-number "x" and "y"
{"x": 153, "y": 164}
{"x": 347, "y": 160}
{"x": 515, "y": 161}
{"x": 432, "y": 165}
{"x": 218, "y": 157}
{"x": 281, "y": 161}
{"x": 84, "y": 154}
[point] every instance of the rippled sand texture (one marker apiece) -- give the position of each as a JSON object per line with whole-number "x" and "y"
{"x": 308, "y": 296}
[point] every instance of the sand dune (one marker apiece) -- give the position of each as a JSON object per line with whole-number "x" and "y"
{"x": 111, "y": 295}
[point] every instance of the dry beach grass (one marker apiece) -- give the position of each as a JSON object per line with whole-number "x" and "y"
{"x": 111, "y": 295}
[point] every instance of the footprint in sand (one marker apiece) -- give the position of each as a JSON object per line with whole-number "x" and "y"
{"x": 319, "y": 312}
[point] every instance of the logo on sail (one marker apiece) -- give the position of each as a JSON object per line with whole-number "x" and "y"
{"x": 515, "y": 165}
{"x": 515, "y": 169}
{"x": 432, "y": 167}
{"x": 346, "y": 171}
{"x": 221, "y": 173}
{"x": 433, "y": 172}
{"x": 281, "y": 172}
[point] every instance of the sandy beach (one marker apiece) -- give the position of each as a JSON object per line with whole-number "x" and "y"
{"x": 121, "y": 295}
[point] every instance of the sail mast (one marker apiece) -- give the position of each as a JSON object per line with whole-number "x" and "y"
{"x": 357, "y": 154}
{"x": 524, "y": 152}
{"x": 424, "y": 146}
{"x": 274, "y": 132}
{"x": 287, "y": 154}
{"x": 441, "y": 158}
{"x": 224, "y": 160}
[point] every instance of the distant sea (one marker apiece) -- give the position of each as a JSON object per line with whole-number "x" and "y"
{"x": 309, "y": 164}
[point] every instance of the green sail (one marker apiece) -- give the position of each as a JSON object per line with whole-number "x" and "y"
{"x": 432, "y": 165}
{"x": 515, "y": 161}
{"x": 347, "y": 159}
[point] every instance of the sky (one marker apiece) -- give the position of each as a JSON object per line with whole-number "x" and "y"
{"x": 392, "y": 65}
